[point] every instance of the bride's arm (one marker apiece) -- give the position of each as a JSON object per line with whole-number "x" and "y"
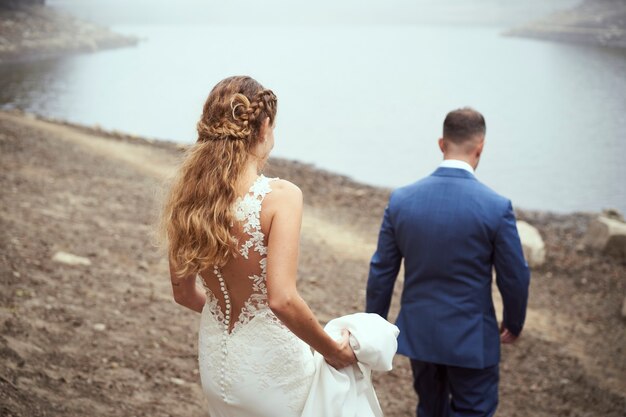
{"x": 186, "y": 292}
{"x": 282, "y": 267}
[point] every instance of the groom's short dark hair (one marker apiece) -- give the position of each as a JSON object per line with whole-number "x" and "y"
{"x": 463, "y": 124}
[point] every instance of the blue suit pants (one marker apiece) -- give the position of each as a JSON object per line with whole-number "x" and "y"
{"x": 450, "y": 391}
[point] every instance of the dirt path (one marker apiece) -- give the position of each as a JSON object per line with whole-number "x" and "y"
{"x": 67, "y": 189}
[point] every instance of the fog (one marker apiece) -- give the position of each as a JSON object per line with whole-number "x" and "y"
{"x": 319, "y": 12}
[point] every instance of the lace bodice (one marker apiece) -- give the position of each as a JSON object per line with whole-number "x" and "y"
{"x": 250, "y": 363}
{"x": 242, "y": 290}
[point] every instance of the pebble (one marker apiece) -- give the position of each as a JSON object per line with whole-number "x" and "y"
{"x": 177, "y": 381}
{"x": 99, "y": 327}
{"x": 70, "y": 259}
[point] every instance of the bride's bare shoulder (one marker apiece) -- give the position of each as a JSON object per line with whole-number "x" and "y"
{"x": 284, "y": 192}
{"x": 283, "y": 186}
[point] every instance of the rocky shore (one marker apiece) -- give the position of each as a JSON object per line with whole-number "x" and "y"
{"x": 89, "y": 328}
{"x": 37, "y": 31}
{"x": 593, "y": 22}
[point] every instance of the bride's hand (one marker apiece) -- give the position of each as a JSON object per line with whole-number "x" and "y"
{"x": 344, "y": 355}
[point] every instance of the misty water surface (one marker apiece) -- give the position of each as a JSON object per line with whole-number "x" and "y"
{"x": 367, "y": 100}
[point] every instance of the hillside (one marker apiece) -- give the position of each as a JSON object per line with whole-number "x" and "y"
{"x": 593, "y": 22}
{"x": 36, "y": 31}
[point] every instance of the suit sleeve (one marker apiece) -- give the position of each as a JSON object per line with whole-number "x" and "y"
{"x": 384, "y": 268}
{"x": 512, "y": 273}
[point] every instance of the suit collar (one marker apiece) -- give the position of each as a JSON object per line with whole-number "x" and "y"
{"x": 453, "y": 172}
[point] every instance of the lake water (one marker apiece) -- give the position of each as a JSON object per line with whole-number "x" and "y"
{"x": 367, "y": 101}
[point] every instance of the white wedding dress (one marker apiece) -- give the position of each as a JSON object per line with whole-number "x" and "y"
{"x": 251, "y": 365}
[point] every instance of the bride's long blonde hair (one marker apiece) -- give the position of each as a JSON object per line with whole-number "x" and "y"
{"x": 197, "y": 215}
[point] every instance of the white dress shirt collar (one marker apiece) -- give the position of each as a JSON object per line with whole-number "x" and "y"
{"x": 455, "y": 163}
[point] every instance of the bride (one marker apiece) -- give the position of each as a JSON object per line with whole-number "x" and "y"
{"x": 239, "y": 231}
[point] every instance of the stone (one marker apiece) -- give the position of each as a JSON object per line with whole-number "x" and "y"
{"x": 607, "y": 235}
{"x": 70, "y": 259}
{"x": 99, "y": 327}
{"x": 532, "y": 244}
{"x": 177, "y": 381}
{"x": 613, "y": 213}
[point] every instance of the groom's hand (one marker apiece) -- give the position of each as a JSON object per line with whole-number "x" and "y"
{"x": 506, "y": 337}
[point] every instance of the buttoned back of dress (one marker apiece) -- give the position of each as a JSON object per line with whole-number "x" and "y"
{"x": 250, "y": 363}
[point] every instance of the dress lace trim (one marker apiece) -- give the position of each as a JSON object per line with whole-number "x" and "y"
{"x": 227, "y": 357}
{"x": 247, "y": 210}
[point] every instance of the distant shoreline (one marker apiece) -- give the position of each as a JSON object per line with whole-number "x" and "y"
{"x": 593, "y": 22}
{"x": 38, "y": 32}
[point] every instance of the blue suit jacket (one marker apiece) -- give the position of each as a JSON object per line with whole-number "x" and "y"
{"x": 451, "y": 231}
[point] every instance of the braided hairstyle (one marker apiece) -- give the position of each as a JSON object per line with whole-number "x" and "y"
{"x": 197, "y": 216}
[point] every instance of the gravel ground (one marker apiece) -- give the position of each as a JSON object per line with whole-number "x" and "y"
{"x": 106, "y": 339}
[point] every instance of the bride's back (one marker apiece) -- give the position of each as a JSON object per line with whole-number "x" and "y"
{"x": 250, "y": 363}
{"x": 239, "y": 287}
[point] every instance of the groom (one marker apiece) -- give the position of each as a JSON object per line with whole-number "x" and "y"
{"x": 451, "y": 230}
